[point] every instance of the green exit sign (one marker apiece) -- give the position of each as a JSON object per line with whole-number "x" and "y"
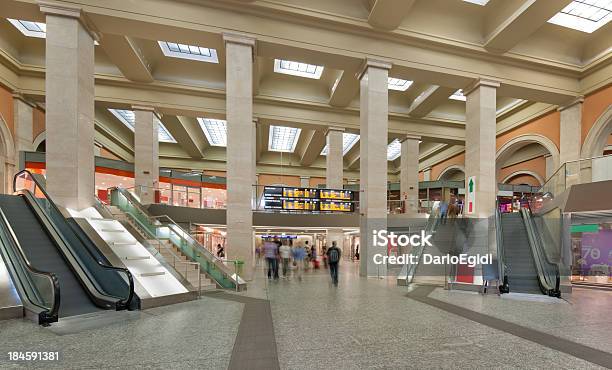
{"x": 585, "y": 228}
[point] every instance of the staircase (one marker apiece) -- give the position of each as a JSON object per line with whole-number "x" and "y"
{"x": 522, "y": 273}
{"x": 181, "y": 263}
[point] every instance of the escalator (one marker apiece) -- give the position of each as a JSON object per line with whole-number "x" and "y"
{"x": 46, "y": 242}
{"x": 527, "y": 265}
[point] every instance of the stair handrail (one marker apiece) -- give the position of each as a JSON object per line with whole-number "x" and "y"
{"x": 540, "y": 257}
{"x": 237, "y": 280}
{"x": 430, "y": 227}
{"x": 50, "y": 314}
{"x": 122, "y": 302}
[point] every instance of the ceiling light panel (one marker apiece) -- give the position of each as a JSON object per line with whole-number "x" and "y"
{"x": 348, "y": 141}
{"x": 128, "y": 118}
{"x": 215, "y": 130}
{"x": 477, "y": 2}
{"x": 283, "y": 139}
{"x": 458, "y": 95}
{"x": 398, "y": 84}
{"x": 30, "y": 29}
{"x": 584, "y": 15}
{"x": 394, "y": 149}
{"x": 191, "y": 52}
{"x": 298, "y": 69}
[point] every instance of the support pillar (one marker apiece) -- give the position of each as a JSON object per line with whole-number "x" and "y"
{"x": 480, "y": 134}
{"x": 146, "y": 153}
{"x": 69, "y": 84}
{"x": 570, "y": 131}
{"x": 305, "y": 181}
{"x": 409, "y": 174}
{"x": 374, "y": 111}
{"x": 550, "y": 166}
{"x": 427, "y": 174}
{"x": 24, "y": 122}
{"x": 334, "y": 161}
{"x": 240, "y": 149}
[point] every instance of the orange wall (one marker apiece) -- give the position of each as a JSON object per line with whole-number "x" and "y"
{"x": 277, "y": 179}
{"x": 7, "y": 108}
{"x": 537, "y": 165}
{"x": 437, "y": 169}
{"x": 524, "y": 179}
{"x": 421, "y": 175}
{"x": 547, "y": 125}
{"x": 594, "y": 105}
{"x": 39, "y": 123}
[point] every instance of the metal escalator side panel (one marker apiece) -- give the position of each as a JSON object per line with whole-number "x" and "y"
{"x": 39, "y": 291}
{"x": 87, "y": 281}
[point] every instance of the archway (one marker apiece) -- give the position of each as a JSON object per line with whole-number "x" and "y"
{"x": 453, "y": 172}
{"x": 40, "y": 142}
{"x": 7, "y": 157}
{"x": 506, "y": 151}
{"x": 523, "y": 174}
{"x": 597, "y": 138}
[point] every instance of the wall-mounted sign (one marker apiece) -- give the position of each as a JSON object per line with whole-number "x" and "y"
{"x": 470, "y": 203}
{"x": 290, "y": 199}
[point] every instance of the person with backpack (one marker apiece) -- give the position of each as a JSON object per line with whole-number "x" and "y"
{"x": 333, "y": 259}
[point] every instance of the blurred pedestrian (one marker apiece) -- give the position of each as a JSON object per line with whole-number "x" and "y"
{"x": 333, "y": 258}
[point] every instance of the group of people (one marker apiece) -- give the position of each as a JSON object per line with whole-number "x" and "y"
{"x": 281, "y": 257}
{"x": 447, "y": 210}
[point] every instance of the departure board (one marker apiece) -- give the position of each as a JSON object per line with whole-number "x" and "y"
{"x": 299, "y": 199}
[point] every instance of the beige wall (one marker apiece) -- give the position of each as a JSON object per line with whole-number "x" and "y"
{"x": 594, "y": 105}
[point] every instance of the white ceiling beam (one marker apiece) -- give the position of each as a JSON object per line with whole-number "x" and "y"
{"x": 389, "y": 14}
{"x": 344, "y": 90}
{"x": 314, "y": 144}
{"x": 429, "y": 100}
{"x": 514, "y": 20}
{"x": 187, "y": 133}
{"x": 128, "y": 57}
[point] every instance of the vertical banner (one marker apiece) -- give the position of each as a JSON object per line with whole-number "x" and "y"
{"x": 470, "y": 204}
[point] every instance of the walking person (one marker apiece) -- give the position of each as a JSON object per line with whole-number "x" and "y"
{"x": 299, "y": 253}
{"x": 285, "y": 255}
{"x": 333, "y": 259}
{"x": 443, "y": 210}
{"x": 220, "y": 251}
{"x": 271, "y": 253}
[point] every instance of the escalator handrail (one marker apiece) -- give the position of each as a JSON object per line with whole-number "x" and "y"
{"x": 54, "y": 310}
{"x": 429, "y": 229}
{"x": 501, "y": 265}
{"x": 216, "y": 260}
{"x": 123, "y": 302}
{"x": 548, "y": 287}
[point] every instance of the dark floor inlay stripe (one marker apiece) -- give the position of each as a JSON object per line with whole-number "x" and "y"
{"x": 578, "y": 350}
{"x": 255, "y": 345}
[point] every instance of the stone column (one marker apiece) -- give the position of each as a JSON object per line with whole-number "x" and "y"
{"x": 305, "y": 181}
{"x": 427, "y": 174}
{"x": 240, "y": 149}
{"x": 374, "y": 111}
{"x": 69, "y": 85}
{"x": 146, "y": 153}
{"x": 409, "y": 174}
{"x": 255, "y": 190}
{"x": 480, "y": 134}
{"x": 550, "y": 166}
{"x": 335, "y": 235}
{"x": 335, "y": 162}
{"x": 24, "y": 122}
{"x": 569, "y": 143}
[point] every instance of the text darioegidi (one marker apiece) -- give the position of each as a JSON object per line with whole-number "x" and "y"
{"x": 428, "y": 259}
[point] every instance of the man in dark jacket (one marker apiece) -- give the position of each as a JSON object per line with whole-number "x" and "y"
{"x": 333, "y": 259}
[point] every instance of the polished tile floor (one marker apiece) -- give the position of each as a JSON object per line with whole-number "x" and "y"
{"x": 363, "y": 323}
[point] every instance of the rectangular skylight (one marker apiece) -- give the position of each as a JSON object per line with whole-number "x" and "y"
{"x": 584, "y": 15}
{"x": 191, "y": 52}
{"x": 394, "y": 149}
{"x": 348, "y": 141}
{"x": 30, "y": 29}
{"x": 128, "y": 118}
{"x": 398, "y": 84}
{"x": 477, "y": 2}
{"x": 458, "y": 95}
{"x": 298, "y": 69}
{"x": 283, "y": 139}
{"x": 215, "y": 130}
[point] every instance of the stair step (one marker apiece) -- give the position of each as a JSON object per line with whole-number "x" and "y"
{"x": 135, "y": 258}
{"x": 155, "y": 273}
{"x": 121, "y": 243}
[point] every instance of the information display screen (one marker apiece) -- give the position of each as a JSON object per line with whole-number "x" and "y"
{"x": 292, "y": 199}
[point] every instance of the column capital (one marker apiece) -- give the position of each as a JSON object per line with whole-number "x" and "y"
{"x": 19, "y": 96}
{"x": 144, "y": 108}
{"x": 576, "y": 100}
{"x": 478, "y": 83}
{"x": 70, "y": 11}
{"x": 410, "y": 137}
{"x": 333, "y": 128}
{"x": 304, "y": 177}
{"x": 255, "y": 120}
{"x": 372, "y": 63}
{"x": 428, "y": 168}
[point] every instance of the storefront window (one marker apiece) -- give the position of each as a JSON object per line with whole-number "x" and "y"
{"x": 592, "y": 253}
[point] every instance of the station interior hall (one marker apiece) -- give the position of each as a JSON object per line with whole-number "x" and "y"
{"x": 279, "y": 184}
